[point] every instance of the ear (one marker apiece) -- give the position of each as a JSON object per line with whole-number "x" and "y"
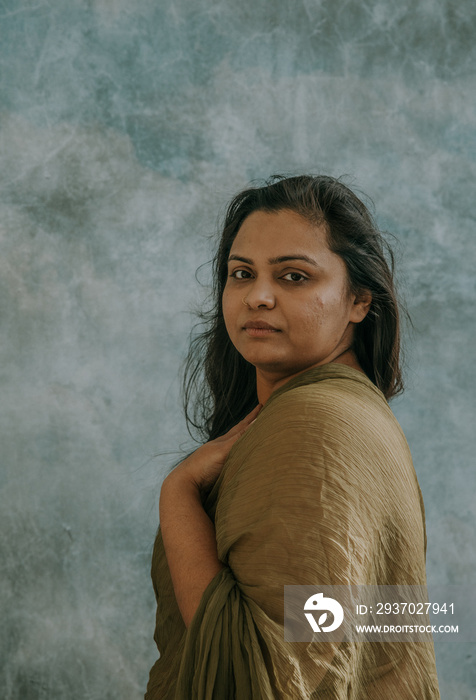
{"x": 361, "y": 306}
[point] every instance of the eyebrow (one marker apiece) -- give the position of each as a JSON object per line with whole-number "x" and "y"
{"x": 278, "y": 260}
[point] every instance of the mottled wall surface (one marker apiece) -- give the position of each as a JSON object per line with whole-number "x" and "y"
{"x": 124, "y": 129}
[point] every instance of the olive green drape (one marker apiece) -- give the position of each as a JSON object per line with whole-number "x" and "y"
{"x": 320, "y": 490}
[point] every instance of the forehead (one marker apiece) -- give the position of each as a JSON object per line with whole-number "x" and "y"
{"x": 280, "y": 232}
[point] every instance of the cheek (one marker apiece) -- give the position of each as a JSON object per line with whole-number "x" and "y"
{"x": 306, "y": 322}
{"x": 321, "y": 315}
{"x": 229, "y": 309}
{"x": 313, "y": 314}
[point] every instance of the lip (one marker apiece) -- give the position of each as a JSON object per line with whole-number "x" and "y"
{"x": 259, "y": 329}
{"x": 260, "y": 325}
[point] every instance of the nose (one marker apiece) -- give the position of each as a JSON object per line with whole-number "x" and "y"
{"x": 261, "y": 296}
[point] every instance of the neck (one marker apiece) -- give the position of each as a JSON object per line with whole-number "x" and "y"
{"x": 267, "y": 383}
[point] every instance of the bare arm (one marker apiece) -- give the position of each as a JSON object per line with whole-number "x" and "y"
{"x": 187, "y": 531}
{"x": 189, "y": 541}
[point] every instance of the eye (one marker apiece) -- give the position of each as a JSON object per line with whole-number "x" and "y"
{"x": 240, "y": 274}
{"x": 294, "y": 277}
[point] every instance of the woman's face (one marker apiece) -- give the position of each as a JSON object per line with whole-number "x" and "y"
{"x": 299, "y": 311}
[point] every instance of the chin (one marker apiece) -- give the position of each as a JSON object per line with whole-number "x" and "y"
{"x": 260, "y": 360}
{"x": 269, "y": 364}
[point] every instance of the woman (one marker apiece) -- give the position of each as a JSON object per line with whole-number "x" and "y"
{"x": 305, "y": 477}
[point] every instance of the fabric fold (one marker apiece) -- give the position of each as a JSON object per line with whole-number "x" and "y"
{"x": 320, "y": 490}
{"x": 222, "y": 657}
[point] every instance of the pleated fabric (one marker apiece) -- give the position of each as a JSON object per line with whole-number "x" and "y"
{"x": 320, "y": 490}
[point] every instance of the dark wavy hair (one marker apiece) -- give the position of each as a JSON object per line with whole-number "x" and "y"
{"x": 219, "y": 385}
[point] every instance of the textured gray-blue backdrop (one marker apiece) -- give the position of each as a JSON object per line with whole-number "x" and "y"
{"x": 125, "y": 127}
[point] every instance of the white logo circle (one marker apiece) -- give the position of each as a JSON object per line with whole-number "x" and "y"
{"x": 318, "y": 602}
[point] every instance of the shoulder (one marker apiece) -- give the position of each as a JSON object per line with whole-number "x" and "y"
{"x": 332, "y": 418}
{"x": 329, "y": 401}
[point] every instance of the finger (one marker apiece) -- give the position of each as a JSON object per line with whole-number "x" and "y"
{"x": 252, "y": 414}
{"x": 245, "y": 421}
{"x": 241, "y": 427}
